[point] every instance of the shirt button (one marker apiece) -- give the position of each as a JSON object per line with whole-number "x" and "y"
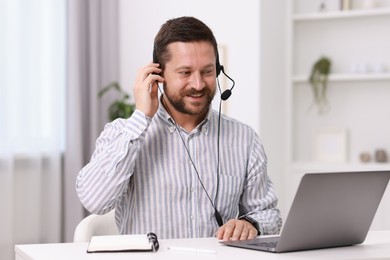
{"x": 192, "y": 217}
{"x": 192, "y": 189}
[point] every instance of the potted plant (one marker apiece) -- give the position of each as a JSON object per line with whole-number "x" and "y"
{"x": 318, "y": 81}
{"x": 121, "y": 107}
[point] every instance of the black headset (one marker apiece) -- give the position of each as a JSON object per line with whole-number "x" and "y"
{"x": 224, "y": 96}
{"x": 218, "y": 67}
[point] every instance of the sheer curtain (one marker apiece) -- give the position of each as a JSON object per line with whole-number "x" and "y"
{"x": 92, "y": 63}
{"x": 55, "y": 55}
{"x": 32, "y": 82}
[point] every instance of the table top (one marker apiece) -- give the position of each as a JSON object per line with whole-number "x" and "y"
{"x": 376, "y": 246}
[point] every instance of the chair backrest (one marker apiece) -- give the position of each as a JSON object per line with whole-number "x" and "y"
{"x": 95, "y": 225}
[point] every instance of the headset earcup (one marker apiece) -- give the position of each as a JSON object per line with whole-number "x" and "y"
{"x": 218, "y": 66}
{"x": 154, "y": 55}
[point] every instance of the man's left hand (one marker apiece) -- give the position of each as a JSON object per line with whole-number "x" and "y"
{"x": 236, "y": 229}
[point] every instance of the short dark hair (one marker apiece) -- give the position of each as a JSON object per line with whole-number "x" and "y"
{"x": 182, "y": 29}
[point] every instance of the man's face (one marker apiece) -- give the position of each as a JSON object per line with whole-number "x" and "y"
{"x": 190, "y": 77}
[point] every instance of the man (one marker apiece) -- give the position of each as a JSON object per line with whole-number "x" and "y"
{"x": 164, "y": 169}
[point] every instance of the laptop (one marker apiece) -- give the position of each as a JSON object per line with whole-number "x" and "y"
{"x": 329, "y": 210}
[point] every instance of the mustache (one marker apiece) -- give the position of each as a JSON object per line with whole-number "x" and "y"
{"x": 192, "y": 92}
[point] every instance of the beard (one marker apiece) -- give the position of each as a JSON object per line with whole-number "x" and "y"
{"x": 194, "y": 108}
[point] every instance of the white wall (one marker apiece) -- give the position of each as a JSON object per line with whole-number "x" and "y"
{"x": 272, "y": 92}
{"x": 235, "y": 25}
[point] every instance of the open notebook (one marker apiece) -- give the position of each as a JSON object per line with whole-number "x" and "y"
{"x": 124, "y": 243}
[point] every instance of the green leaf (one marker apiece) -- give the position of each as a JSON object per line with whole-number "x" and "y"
{"x": 119, "y": 108}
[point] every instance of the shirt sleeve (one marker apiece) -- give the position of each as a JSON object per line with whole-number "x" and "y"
{"x": 105, "y": 178}
{"x": 259, "y": 201}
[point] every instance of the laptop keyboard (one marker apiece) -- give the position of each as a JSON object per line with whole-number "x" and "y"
{"x": 272, "y": 244}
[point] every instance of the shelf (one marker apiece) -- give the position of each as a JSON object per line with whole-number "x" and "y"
{"x": 305, "y": 167}
{"x": 346, "y": 77}
{"x": 357, "y": 41}
{"x": 341, "y": 14}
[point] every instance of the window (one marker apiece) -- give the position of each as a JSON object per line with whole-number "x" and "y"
{"x": 32, "y": 75}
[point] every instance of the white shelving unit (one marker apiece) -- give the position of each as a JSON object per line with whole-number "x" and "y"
{"x": 341, "y": 14}
{"x": 346, "y": 77}
{"x": 359, "y": 102}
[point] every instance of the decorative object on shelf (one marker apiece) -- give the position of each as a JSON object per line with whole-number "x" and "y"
{"x": 319, "y": 81}
{"x": 380, "y": 155}
{"x": 345, "y": 5}
{"x": 365, "y": 4}
{"x": 331, "y": 144}
{"x": 378, "y": 67}
{"x": 365, "y": 157}
{"x": 322, "y": 6}
{"x": 120, "y": 108}
{"x": 359, "y": 68}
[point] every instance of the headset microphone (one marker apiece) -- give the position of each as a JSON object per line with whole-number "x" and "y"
{"x": 228, "y": 92}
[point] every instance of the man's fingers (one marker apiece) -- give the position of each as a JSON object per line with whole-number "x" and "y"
{"x": 229, "y": 229}
{"x": 244, "y": 234}
{"x": 236, "y": 230}
{"x": 146, "y": 89}
{"x": 146, "y": 71}
{"x": 252, "y": 233}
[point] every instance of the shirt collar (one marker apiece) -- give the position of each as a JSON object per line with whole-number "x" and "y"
{"x": 170, "y": 124}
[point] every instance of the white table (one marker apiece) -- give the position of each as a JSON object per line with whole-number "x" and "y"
{"x": 376, "y": 246}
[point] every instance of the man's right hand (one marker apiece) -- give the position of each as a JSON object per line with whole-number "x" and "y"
{"x": 146, "y": 89}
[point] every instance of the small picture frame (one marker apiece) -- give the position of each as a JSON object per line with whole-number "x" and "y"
{"x": 331, "y": 145}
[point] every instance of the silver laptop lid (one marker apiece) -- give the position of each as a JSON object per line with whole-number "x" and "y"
{"x": 332, "y": 209}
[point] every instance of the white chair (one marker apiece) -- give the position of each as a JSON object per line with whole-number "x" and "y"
{"x": 96, "y": 225}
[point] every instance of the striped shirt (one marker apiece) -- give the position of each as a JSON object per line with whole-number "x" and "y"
{"x": 141, "y": 168}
